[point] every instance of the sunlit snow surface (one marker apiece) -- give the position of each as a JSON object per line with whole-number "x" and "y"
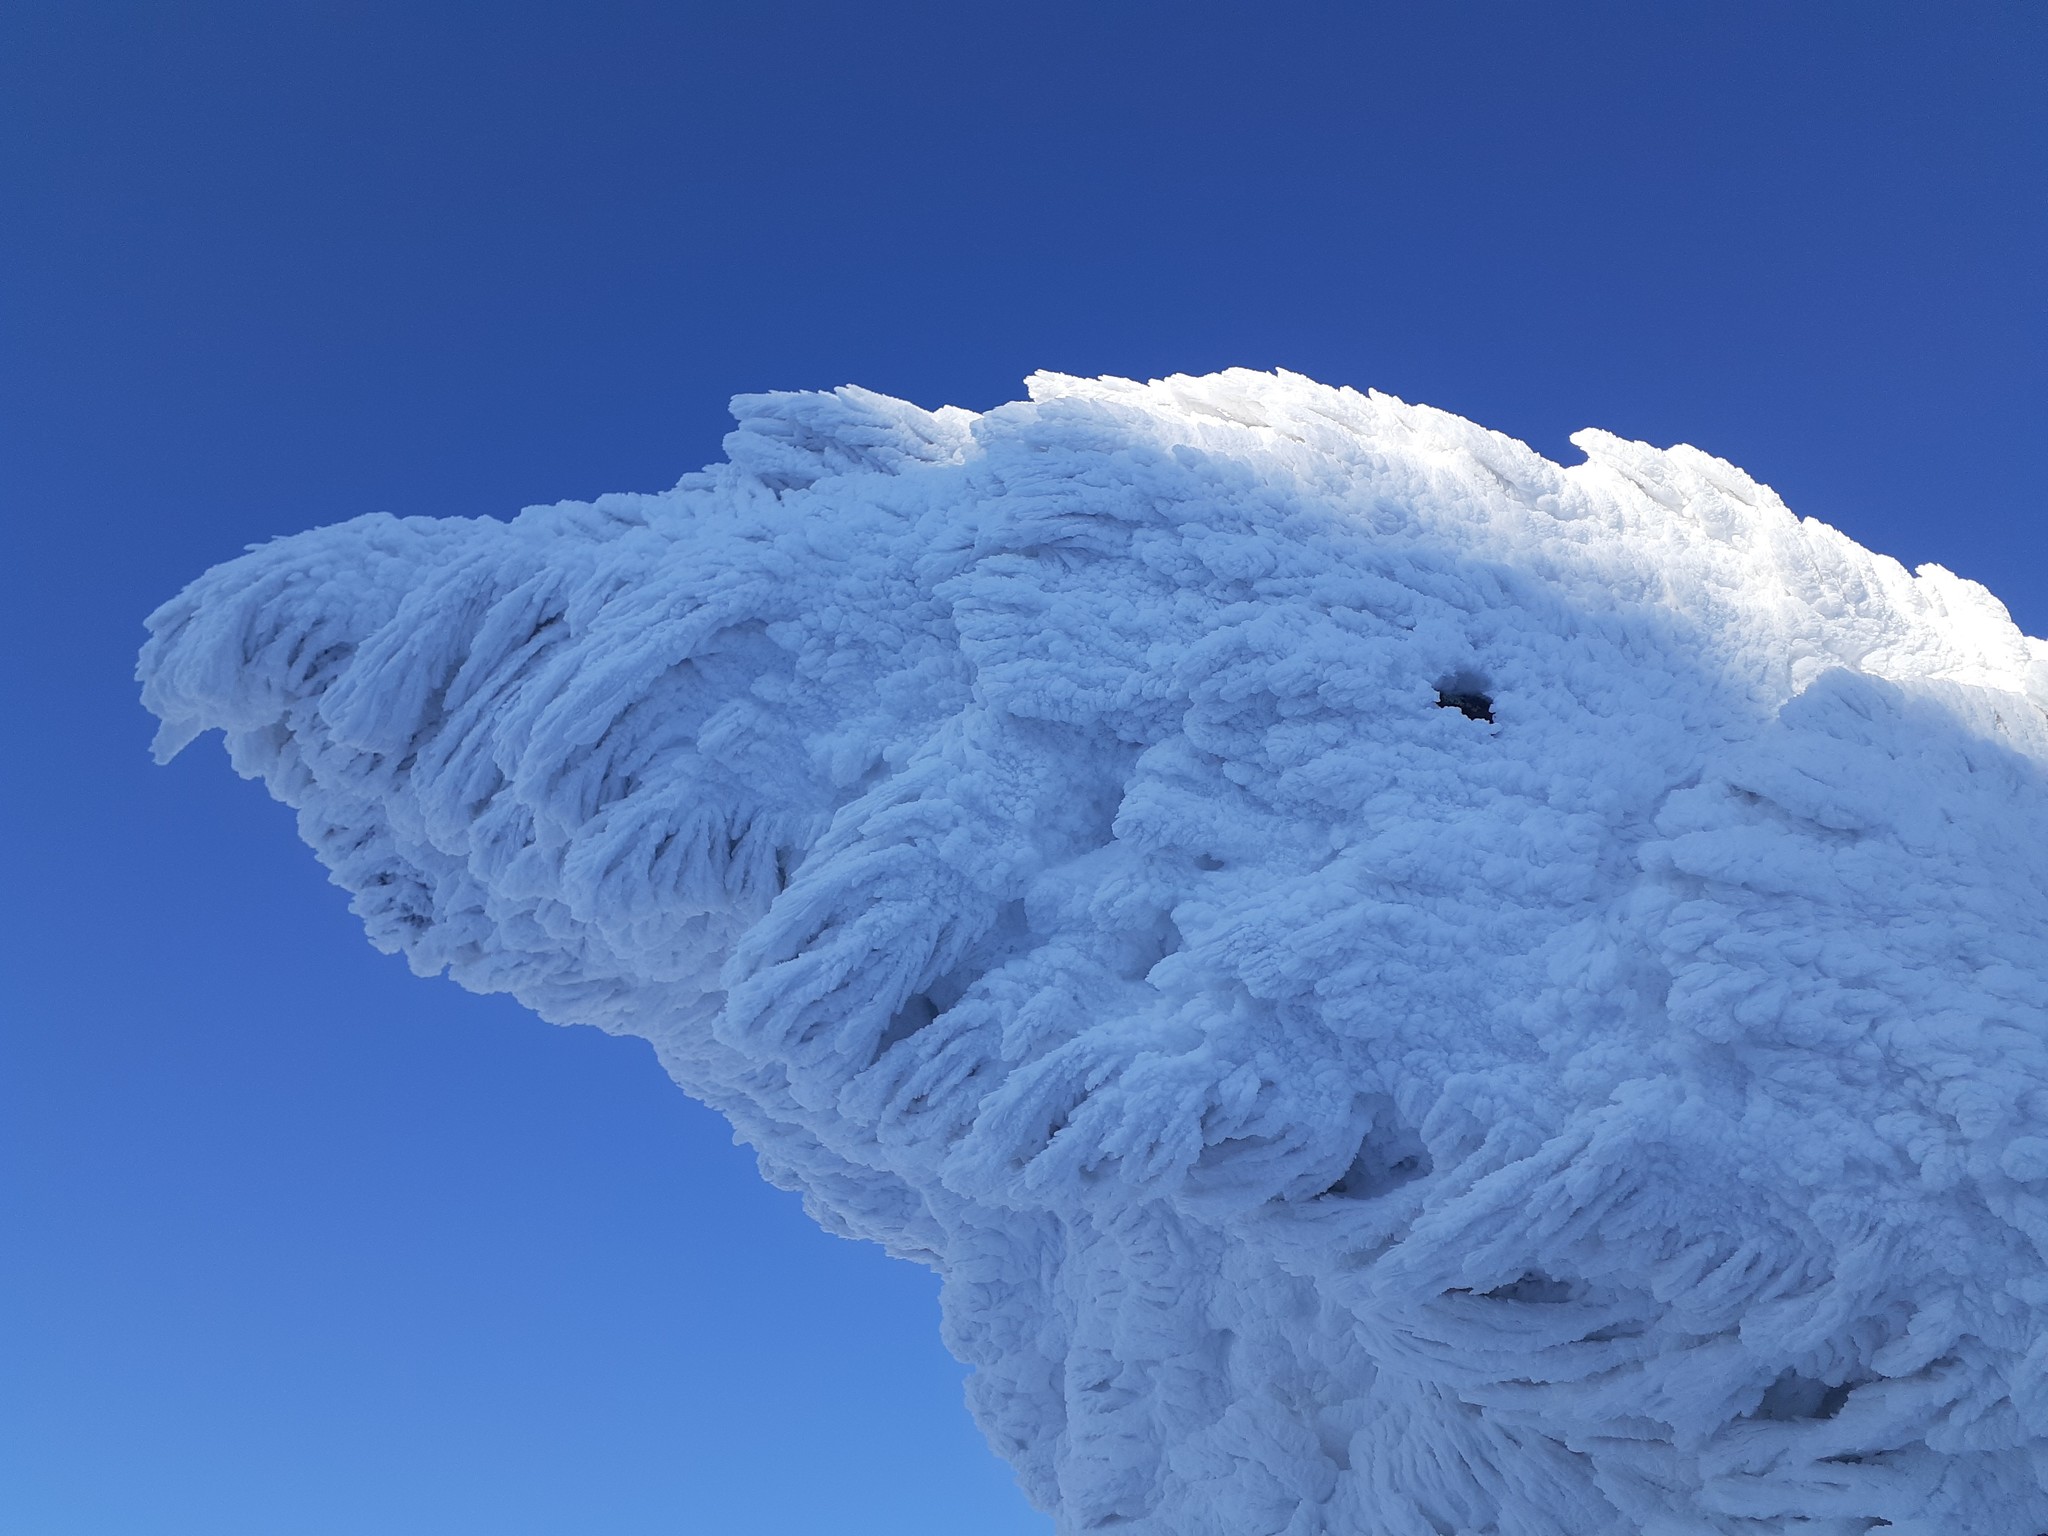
{"x": 1039, "y": 833}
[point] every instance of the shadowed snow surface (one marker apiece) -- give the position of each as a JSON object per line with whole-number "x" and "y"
{"x": 1049, "y": 837}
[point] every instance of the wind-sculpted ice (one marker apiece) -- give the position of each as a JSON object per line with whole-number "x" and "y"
{"x": 1616, "y": 1103}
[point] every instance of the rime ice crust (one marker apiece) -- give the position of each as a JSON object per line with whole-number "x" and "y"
{"x": 1329, "y": 1113}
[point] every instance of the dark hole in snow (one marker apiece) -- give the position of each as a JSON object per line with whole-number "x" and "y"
{"x": 1793, "y": 1396}
{"x": 1468, "y": 693}
{"x": 1144, "y": 947}
{"x": 922, "y": 1008}
{"x": 1207, "y": 861}
{"x": 1536, "y": 1287}
{"x": 1391, "y": 1155}
{"x": 1473, "y": 706}
{"x": 919, "y": 1011}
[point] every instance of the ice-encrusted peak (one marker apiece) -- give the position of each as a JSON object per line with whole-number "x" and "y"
{"x": 1404, "y": 987}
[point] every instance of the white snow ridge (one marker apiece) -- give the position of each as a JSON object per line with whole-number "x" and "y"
{"x": 1405, "y": 989}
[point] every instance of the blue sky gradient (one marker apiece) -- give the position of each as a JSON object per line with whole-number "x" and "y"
{"x": 301, "y": 1246}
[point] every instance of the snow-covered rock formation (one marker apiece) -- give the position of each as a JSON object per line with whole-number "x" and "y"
{"x": 1614, "y": 1103}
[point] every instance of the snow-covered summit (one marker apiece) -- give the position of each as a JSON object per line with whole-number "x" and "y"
{"x": 1615, "y": 1104}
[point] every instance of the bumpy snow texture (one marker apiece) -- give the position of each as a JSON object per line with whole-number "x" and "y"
{"x": 1042, "y": 834}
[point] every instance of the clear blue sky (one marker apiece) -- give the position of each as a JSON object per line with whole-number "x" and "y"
{"x": 296, "y": 1245}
